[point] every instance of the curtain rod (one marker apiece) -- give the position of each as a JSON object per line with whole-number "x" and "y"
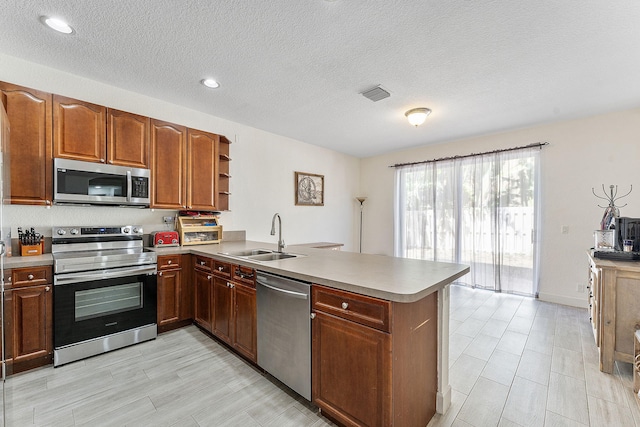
{"x": 534, "y": 145}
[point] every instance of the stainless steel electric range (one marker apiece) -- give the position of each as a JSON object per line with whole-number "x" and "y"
{"x": 104, "y": 290}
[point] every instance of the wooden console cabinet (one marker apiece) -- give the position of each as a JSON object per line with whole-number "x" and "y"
{"x": 365, "y": 372}
{"x": 614, "y": 299}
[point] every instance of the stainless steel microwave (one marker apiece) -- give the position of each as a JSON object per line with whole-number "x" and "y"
{"x": 77, "y": 182}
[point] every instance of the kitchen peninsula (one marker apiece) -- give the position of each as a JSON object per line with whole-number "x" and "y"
{"x": 380, "y": 346}
{"x": 400, "y": 336}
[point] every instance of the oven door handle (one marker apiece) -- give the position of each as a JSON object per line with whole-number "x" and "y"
{"x": 66, "y": 279}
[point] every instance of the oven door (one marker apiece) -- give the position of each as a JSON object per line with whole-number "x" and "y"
{"x": 95, "y": 304}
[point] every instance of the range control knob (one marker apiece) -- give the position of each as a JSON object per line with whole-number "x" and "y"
{"x": 74, "y": 231}
{"x": 126, "y": 230}
{"x": 61, "y": 232}
{"x": 137, "y": 230}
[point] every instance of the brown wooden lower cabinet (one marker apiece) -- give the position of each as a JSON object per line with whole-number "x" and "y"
{"x": 223, "y": 309}
{"x": 374, "y": 362}
{"x": 225, "y": 303}
{"x": 235, "y": 312}
{"x": 202, "y": 297}
{"x": 170, "y": 289}
{"x": 351, "y": 371}
{"x": 28, "y": 318}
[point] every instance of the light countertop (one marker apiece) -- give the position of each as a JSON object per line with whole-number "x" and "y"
{"x": 390, "y": 278}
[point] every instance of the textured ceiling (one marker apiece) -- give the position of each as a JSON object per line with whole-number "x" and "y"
{"x": 296, "y": 68}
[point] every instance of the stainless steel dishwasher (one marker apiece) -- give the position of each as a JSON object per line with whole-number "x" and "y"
{"x": 284, "y": 330}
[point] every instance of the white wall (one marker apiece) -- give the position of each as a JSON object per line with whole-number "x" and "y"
{"x": 582, "y": 154}
{"x": 262, "y": 169}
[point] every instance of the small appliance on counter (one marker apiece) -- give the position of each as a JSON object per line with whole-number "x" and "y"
{"x": 165, "y": 238}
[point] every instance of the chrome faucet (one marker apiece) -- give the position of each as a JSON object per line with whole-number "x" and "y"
{"x": 273, "y": 231}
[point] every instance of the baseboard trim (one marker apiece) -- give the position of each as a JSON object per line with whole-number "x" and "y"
{"x": 443, "y": 400}
{"x": 564, "y": 300}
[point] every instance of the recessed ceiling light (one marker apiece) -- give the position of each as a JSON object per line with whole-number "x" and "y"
{"x": 57, "y": 24}
{"x": 210, "y": 83}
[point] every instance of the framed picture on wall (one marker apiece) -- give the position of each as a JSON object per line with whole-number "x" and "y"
{"x": 309, "y": 189}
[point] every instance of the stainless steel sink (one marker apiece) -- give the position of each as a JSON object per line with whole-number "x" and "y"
{"x": 260, "y": 255}
{"x": 248, "y": 252}
{"x": 272, "y": 256}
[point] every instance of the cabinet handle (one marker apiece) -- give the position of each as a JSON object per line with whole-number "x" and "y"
{"x": 220, "y": 268}
{"x": 345, "y": 305}
{"x": 9, "y": 278}
{"x": 313, "y": 316}
{"x": 169, "y": 262}
{"x": 160, "y": 274}
{"x": 111, "y": 162}
{"x": 30, "y": 277}
{"x": 47, "y": 289}
{"x": 230, "y": 285}
{"x": 209, "y": 277}
{"x": 202, "y": 262}
{"x": 101, "y": 160}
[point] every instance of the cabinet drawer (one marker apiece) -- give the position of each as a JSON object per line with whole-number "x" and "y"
{"x": 245, "y": 275}
{"x": 169, "y": 261}
{"x": 222, "y": 268}
{"x": 30, "y": 276}
{"x": 358, "y": 308}
{"x": 202, "y": 263}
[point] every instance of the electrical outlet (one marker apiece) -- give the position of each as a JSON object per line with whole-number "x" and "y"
{"x": 564, "y": 229}
{"x": 580, "y": 287}
{"x": 167, "y": 219}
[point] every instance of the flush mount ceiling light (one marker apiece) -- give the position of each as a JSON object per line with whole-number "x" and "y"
{"x": 210, "y": 83}
{"x": 417, "y": 116}
{"x": 56, "y": 24}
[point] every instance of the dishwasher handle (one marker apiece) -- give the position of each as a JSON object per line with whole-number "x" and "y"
{"x": 291, "y": 294}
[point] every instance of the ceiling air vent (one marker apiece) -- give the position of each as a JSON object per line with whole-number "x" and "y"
{"x": 376, "y": 94}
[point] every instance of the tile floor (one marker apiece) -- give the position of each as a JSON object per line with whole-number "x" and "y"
{"x": 514, "y": 362}
{"x": 521, "y": 362}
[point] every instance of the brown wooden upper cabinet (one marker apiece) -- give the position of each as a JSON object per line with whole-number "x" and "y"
{"x": 184, "y": 167}
{"x": 80, "y": 130}
{"x": 202, "y": 169}
{"x": 29, "y": 148}
{"x": 128, "y": 139}
{"x": 94, "y": 133}
{"x": 168, "y": 165}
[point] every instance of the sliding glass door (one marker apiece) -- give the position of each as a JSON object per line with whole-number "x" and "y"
{"x": 478, "y": 210}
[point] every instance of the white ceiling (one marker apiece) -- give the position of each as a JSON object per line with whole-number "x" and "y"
{"x": 296, "y": 68}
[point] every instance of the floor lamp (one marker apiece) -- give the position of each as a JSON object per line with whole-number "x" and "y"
{"x": 361, "y": 200}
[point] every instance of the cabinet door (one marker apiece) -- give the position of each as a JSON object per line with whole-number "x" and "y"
{"x": 351, "y": 366}
{"x": 79, "y": 130}
{"x": 29, "y": 149}
{"x": 127, "y": 139}
{"x": 186, "y": 289}
{"x": 245, "y": 336}
{"x": 203, "y": 283}
{"x": 168, "y": 175}
{"x": 202, "y": 152}
{"x": 31, "y": 322}
{"x": 222, "y": 309}
{"x": 168, "y": 296}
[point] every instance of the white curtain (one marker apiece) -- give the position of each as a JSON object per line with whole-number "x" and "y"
{"x": 479, "y": 210}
